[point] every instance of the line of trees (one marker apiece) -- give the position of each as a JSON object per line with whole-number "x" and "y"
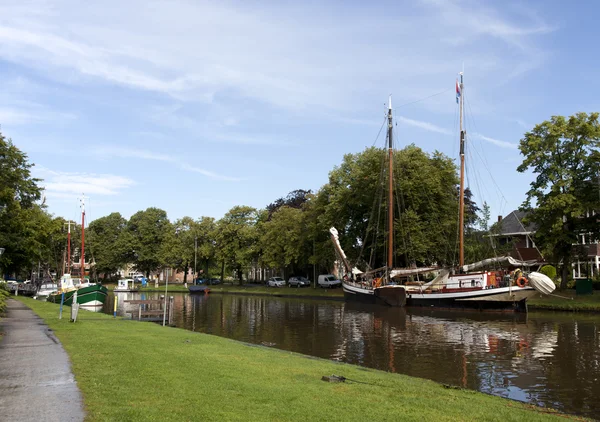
{"x": 291, "y": 235}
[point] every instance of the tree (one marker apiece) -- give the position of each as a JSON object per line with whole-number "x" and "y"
{"x": 281, "y": 238}
{"x": 426, "y": 205}
{"x": 107, "y": 243}
{"x": 21, "y": 217}
{"x": 146, "y": 231}
{"x": 563, "y": 153}
{"x": 205, "y": 232}
{"x": 236, "y": 238}
{"x": 294, "y": 199}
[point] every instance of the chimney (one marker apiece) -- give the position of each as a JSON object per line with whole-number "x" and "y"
{"x": 499, "y": 218}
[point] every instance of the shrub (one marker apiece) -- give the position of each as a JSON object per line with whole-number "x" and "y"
{"x": 549, "y": 270}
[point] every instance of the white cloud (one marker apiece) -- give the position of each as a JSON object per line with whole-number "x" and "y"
{"x": 424, "y": 125}
{"x": 497, "y": 142}
{"x": 31, "y": 115}
{"x": 70, "y": 184}
{"x": 122, "y": 152}
{"x": 292, "y": 57}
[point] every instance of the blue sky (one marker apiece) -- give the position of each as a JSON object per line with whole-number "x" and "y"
{"x": 195, "y": 107}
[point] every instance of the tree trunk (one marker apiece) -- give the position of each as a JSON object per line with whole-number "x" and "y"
{"x": 223, "y": 271}
{"x": 564, "y": 279}
{"x": 240, "y": 276}
{"x": 185, "y": 271}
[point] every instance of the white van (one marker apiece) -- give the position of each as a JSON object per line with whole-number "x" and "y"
{"x": 329, "y": 280}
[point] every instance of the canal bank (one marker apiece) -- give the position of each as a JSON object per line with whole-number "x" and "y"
{"x": 148, "y": 372}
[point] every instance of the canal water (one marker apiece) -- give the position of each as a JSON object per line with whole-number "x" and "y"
{"x": 544, "y": 358}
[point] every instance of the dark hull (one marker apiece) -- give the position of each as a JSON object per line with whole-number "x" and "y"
{"x": 388, "y": 296}
{"x": 500, "y": 306}
{"x": 199, "y": 289}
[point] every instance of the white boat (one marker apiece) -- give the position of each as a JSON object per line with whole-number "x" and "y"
{"x": 46, "y": 289}
{"x": 125, "y": 285}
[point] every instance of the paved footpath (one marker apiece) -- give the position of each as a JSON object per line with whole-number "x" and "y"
{"x": 36, "y": 382}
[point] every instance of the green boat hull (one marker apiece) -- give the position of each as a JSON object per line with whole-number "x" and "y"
{"x": 88, "y": 297}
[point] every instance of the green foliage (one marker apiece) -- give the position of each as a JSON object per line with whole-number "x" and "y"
{"x": 26, "y": 229}
{"x": 108, "y": 243}
{"x": 549, "y": 270}
{"x": 146, "y": 232}
{"x": 426, "y": 206}
{"x": 281, "y": 238}
{"x": 236, "y": 238}
{"x": 564, "y": 155}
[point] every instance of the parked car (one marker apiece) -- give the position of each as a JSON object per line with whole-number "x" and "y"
{"x": 214, "y": 281}
{"x": 328, "y": 280}
{"x": 275, "y": 282}
{"x": 298, "y": 281}
{"x": 200, "y": 281}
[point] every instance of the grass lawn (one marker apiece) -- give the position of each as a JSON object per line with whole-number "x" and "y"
{"x": 134, "y": 371}
{"x": 571, "y": 303}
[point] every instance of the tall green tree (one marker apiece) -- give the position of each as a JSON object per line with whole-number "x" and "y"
{"x": 108, "y": 243}
{"x": 19, "y": 210}
{"x": 426, "y": 203}
{"x": 282, "y": 237}
{"x": 564, "y": 155}
{"x": 236, "y": 238}
{"x": 146, "y": 232}
{"x": 205, "y": 233}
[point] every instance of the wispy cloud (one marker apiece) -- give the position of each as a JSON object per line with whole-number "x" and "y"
{"x": 497, "y": 142}
{"x": 62, "y": 184}
{"x": 216, "y": 58}
{"x": 424, "y": 125}
{"x": 31, "y": 115}
{"x": 123, "y": 152}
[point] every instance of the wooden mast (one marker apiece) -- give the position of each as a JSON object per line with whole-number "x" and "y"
{"x": 82, "y": 238}
{"x": 390, "y": 256}
{"x": 461, "y": 212}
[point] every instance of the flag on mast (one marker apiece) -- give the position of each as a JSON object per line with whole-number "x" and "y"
{"x": 457, "y": 91}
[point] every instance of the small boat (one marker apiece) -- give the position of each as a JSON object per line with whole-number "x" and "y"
{"x": 46, "y": 289}
{"x": 199, "y": 289}
{"x": 126, "y": 285}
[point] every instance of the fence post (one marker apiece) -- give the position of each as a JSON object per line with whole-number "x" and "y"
{"x": 171, "y": 310}
{"x": 140, "y": 312}
{"x": 62, "y": 301}
{"x": 115, "y": 307}
{"x": 164, "y": 304}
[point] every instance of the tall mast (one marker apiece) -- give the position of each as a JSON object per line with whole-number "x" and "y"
{"x": 68, "y": 247}
{"x": 82, "y": 238}
{"x": 390, "y": 256}
{"x": 461, "y": 212}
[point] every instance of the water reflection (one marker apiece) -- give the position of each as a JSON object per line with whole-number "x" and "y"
{"x": 543, "y": 358}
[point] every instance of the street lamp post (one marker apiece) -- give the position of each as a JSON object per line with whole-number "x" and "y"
{"x": 195, "y": 257}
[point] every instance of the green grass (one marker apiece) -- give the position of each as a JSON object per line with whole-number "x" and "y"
{"x": 129, "y": 371}
{"x": 569, "y": 302}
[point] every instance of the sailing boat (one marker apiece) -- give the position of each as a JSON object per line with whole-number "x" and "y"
{"x": 468, "y": 286}
{"x": 90, "y": 296}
